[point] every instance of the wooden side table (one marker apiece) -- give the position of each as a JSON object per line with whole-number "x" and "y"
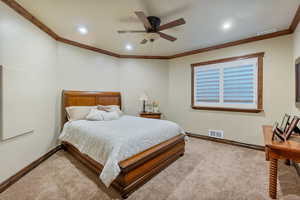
{"x": 150, "y": 115}
{"x": 276, "y": 150}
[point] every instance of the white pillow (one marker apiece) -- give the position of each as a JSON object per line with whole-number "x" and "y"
{"x": 111, "y": 108}
{"x": 78, "y": 112}
{"x": 96, "y": 115}
{"x": 108, "y": 116}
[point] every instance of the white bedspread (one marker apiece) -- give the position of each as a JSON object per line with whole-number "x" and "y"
{"x": 110, "y": 142}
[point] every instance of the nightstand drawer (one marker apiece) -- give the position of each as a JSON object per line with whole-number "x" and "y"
{"x": 151, "y": 115}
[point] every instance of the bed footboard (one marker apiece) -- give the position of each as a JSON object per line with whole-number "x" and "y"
{"x": 138, "y": 169}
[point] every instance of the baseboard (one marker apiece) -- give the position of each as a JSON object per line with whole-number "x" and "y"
{"x": 13, "y": 179}
{"x": 225, "y": 141}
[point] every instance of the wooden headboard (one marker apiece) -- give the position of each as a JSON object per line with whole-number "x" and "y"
{"x": 88, "y": 98}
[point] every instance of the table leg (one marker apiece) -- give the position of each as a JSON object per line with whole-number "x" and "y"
{"x": 273, "y": 178}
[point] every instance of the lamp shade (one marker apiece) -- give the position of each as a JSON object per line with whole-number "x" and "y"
{"x": 144, "y": 97}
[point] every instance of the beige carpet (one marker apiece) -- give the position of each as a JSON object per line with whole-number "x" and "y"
{"x": 208, "y": 171}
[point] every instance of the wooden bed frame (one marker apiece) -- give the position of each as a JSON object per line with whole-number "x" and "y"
{"x": 136, "y": 170}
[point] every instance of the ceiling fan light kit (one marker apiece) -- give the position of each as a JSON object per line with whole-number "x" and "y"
{"x": 152, "y": 36}
{"x": 152, "y": 28}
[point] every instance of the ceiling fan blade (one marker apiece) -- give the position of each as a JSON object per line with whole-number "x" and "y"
{"x": 144, "y": 41}
{"x": 172, "y": 24}
{"x": 167, "y": 37}
{"x": 131, "y": 31}
{"x": 141, "y": 15}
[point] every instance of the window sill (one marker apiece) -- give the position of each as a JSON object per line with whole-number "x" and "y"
{"x": 228, "y": 109}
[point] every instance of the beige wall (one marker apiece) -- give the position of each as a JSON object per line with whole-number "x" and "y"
{"x": 26, "y": 49}
{"x": 296, "y": 48}
{"x": 138, "y": 76}
{"x": 242, "y": 127}
{"x": 80, "y": 69}
{"x": 296, "y": 42}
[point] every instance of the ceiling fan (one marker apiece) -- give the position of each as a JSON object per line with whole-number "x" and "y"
{"x": 153, "y": 28}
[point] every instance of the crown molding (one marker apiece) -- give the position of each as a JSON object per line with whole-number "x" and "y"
{"x": 84, "y": 46}
{"x": 23, "y": 12}
{"x": 234, "y": 43}
{"x": 145, "y": 57}
{"x": 295, "y": 21}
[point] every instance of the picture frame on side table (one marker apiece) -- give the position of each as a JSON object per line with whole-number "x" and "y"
{"x": 292, "y": 127}
{"x": 277, "y": 132}
{"x": 285, "y": 123}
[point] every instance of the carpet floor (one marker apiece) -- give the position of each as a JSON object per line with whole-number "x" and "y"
{"x": 207, "y": 171}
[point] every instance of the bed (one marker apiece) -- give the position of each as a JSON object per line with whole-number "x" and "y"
{"x": 137, "y": 169}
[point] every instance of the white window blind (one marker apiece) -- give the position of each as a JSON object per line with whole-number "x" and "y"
{"x": 207, "y": 84}
{"x": 230, "y": 84}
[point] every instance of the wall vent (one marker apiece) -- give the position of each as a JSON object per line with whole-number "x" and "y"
{"x": 216, "y": 133}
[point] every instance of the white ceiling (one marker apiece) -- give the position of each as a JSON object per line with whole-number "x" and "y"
{"x": 204, "y": 20}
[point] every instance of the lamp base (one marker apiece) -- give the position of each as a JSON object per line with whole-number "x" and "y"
{"x": 144, "y": 106}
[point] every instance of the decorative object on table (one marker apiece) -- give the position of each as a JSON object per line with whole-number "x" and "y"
{"x": 285, "y": 123}
{"x": 144, "y": 97}
{"x": 149, "y": 107}
{"x": 292, "y": 127}
{"x": 274, "y": 129}
{"x": 155, "y": 106}
{"x": 277, "y": 134}
{"x": 297, "y": 130}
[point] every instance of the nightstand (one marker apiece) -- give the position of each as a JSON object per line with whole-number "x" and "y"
{"x": 150, "y": 115}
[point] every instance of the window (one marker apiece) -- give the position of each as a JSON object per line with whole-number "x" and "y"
{"x": 232, "y": 84}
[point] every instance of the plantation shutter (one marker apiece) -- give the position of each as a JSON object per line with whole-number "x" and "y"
{"x": 207, "y": 85}
{"x": 239, "y": 83}
{"x": 228, "y": 84}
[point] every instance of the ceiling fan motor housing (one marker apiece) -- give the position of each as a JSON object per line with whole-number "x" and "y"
{"x": 155, "y": 23}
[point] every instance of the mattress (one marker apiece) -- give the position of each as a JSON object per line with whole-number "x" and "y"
{"x": 109, "y": 142}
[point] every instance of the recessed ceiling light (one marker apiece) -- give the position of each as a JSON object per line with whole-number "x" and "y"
{"x": 82, "y": 30}
{"x": 227, "y": 25}
{"x": 128, "y": 47}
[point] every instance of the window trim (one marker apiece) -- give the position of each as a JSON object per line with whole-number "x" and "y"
{"x": 259, "y": 108}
